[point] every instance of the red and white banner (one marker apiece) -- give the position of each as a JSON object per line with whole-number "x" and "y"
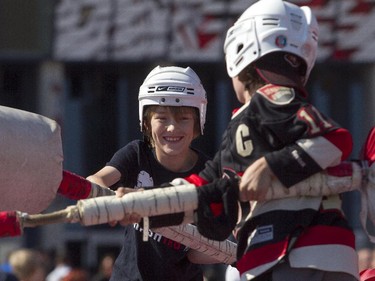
{"x": 194, "y": 30}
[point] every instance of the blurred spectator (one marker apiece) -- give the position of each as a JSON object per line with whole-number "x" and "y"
{"x": 105, "y": 268}
{"x": 6, "y": 276}
{"x": 5, "y": 266}
{"x": 61, "y": 269}
{"x": 77, "y": 274}
{"x": 27, "y": 265}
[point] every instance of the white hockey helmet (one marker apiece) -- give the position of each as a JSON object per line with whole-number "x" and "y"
{"x": 173, "y": 86}
{"x": 270, "y": 26}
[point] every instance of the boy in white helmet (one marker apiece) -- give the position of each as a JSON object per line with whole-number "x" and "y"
{"x": 172, "y": 113}
{"x": 269, "y": 52}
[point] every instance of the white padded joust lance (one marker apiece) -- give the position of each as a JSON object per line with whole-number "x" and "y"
{"x": 146, "y": 203}
{"x": 183, "y": 198}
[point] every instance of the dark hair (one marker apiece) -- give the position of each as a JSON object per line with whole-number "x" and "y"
{"x": 251, "y": 79}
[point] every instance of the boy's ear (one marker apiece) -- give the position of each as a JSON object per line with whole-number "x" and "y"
{"x": 146, "y": 128}
{"x": 147, "y": 134}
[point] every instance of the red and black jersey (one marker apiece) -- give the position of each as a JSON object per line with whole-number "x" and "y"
{"x": 287, "y": 130}
{"x": 297, "y": 141}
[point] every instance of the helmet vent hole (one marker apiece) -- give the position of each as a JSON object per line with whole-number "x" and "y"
{"x": 239, "y": 48}
{"x": 239, "y": 61}
{"x": 271, "y": 21}
{"x": 177, "y": 100}
{"x": 162, "y": 99}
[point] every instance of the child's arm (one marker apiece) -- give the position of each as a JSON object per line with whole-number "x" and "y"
{"x": 256, "y": 181}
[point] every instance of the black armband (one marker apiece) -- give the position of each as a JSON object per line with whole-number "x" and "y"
{"x": 292, "y": 165}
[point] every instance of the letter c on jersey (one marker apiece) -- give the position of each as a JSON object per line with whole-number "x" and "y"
{"x": 244, "y": 147}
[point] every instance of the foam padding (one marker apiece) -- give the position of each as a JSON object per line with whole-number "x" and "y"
{"x": 31, "y": 158}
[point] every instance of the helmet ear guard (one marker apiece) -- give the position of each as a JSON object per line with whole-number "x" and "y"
{"x": 173, "y": 86}
{"x": 270, "y": 26}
